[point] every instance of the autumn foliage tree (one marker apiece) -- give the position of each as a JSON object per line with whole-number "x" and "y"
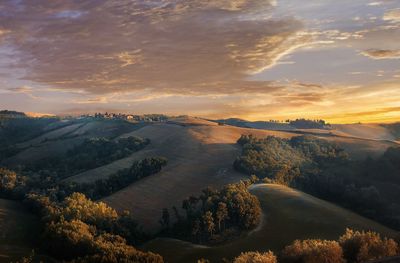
{"x": 256, "y": 257}
{"x": 313, "y": 251}
{"x": 364, "y": 246}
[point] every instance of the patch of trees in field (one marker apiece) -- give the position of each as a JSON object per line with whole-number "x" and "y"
{"x": 308, "y": 124}
{"x": 121, "y": 179}
{"x": 386, "y": 168}
{"x": 12, "y": 186}
{"x": 323, "y": 170}
{"x": 352, "y": 247}
{"x": 214, "y": 214}
{"x": 77, "y": 229}
{"x": 16, "y": 186}
{"x": 285, "y": 159}
{"x": 80, "y": 230}
{"x": 92, "y": 153}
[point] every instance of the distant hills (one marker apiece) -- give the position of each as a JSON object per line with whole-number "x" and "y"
{"x": 275, "y": 125}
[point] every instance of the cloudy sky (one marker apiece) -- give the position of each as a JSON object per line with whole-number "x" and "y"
{"x": 253, "y": 59}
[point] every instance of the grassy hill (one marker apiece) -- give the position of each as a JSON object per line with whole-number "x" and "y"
{"x": 287, "y": 215}
{"x": 57, "y": 138}
{"x": 364, "y": 131}
{"x": 200, "y": 154}
{"x": 18, "y": 229}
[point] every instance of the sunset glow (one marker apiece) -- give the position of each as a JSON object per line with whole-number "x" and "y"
{"x": 251, "y": 59}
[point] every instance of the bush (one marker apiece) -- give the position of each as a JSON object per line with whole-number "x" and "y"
{"x": 313, "y": 251}
{"x": 256, "y": 257}
{"x": 364, "y": 246}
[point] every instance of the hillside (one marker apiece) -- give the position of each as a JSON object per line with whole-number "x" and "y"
{"x": 287, "y": 215}
{"x": 364, "y": 131}
{"x": 58, "y": 137}
{"x": 360, "y": 131}
{"x": 199, "y": 155}
{"x": 18, "y": 230}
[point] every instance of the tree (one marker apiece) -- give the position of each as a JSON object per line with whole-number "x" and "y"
{"x": 313, "y": 251}
{"x": 196, "y": 228}
{"x": 69, "y": 239}
{"x": 221, "y": 214}
{"x": 165, "y": 218}
{"x": 77, "y": 206}
{"x": 208, "y": 223}
{"x": 8, "y": 179}
{"x": 256, "y": 257}
{"x": 365, "y": 246}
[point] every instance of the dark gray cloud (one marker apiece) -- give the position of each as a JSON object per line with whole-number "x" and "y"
{"x": 182, "y": 46}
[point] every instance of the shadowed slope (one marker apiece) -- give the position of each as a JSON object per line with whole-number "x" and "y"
{"x": 287, "y": 215}
{"x": 198, "y": 156}
{"x": 17, "y": 231}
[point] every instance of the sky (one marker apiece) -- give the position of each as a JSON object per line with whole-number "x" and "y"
{"x": 336, "y": 60}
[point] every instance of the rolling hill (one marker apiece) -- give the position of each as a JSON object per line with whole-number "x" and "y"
{"x": 200, "y": 154}
{"x": 288, "y": 215}
{"x": 61, "y": 136}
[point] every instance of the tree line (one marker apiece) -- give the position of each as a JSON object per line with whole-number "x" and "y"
{"x": 92, "y": 153}
{"x": 16, "y": 186}
{"x": 77, "y": 229}
{"x": 80, "y": 230}
{"x": 121, "y": 179}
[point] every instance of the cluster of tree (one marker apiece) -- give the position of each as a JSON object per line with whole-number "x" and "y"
{"x": 286, "y": 159}
{"x": 308, "y": 124}
{"x": 12, "y": 186}
{"x": 256, "y": 257}
{"x": 121, "y": 179}
{"x": 385, "y": 168}
{"x": 324, "y": 170}
{"x": 17, "y": 186}
{"x": 352, "y": 247}
{"x": 354, "y": 184}
{"x": 341, "y": 189}
{"x": 92, "y": 153}
{"x": 215, "y": 214}
{"x": 76, "y": 228}
{"x": 80, "y": 230}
